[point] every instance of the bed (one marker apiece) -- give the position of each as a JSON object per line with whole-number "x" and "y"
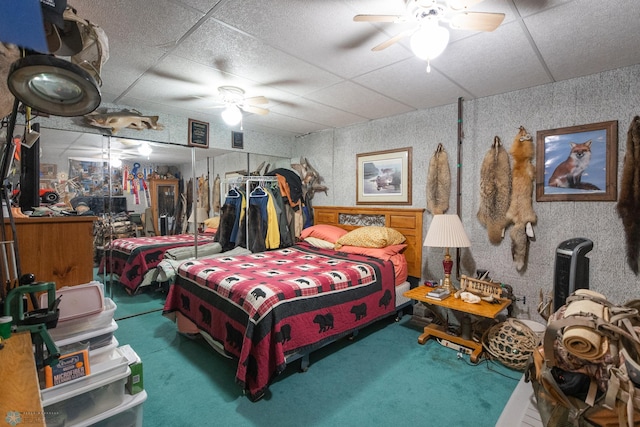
{"x": 270, "y": 308}
{"x": 131, "y": 258}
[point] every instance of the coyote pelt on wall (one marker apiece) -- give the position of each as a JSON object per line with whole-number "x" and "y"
{"x": 495, "y": 191}
{"x": 438, "y": 182}
{"x": 520, "y": 211}
{"x": 629, "y": 199}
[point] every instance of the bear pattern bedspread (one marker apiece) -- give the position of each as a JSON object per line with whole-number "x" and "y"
{"x": 133, "y": 257}
{"x": 262, "y": 307}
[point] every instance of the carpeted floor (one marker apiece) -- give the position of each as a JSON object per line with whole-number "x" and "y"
{"x": 382, "y": 378}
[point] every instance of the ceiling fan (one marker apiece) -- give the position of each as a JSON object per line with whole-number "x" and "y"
{"x": 235, "y": 102}
{"x": 428, "y": 37}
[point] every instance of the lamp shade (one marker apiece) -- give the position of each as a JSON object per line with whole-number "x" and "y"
{"x": 430, "y": 41}
{"x": 446, "y": 231}
{"x": 200, "y": 213}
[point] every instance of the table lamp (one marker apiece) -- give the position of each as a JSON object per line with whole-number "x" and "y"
{"x": 446, "y": 231}
{"x": 198, "y": 216}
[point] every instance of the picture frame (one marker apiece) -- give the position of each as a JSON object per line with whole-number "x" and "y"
{"x": 577, "y": 163}
{"x": 198, "y": 134}
{"x": 384, "y": 177}
{"x": 237, "y": 140}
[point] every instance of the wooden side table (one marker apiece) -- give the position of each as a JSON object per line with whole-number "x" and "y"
{"x": 483, "y": 309}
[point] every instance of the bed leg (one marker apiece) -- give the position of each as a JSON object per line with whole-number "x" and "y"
{"x": 304, "y": 363}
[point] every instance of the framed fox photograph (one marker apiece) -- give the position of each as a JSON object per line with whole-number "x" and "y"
{"x": 577, "y": 163}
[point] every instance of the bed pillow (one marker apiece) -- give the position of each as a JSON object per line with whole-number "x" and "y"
{"x": 371, "y": 237}
{"x": 319, "y": 243}
{"x": 382, "y": 253}
{"x": 327, "y": 232}
{"x": 213, "y": 222}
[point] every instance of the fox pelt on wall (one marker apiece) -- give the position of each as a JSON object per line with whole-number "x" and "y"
{"x": 629, "y": 198}
{"x": 438, "y": 182}
{"x": 520, "y": 211}
{"x": 495, "y": 191}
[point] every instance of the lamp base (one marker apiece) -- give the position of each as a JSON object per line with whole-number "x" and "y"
{"x": 448, "y": 284}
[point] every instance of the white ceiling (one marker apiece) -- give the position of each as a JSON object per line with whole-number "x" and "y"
{"x": 315, "y": 64}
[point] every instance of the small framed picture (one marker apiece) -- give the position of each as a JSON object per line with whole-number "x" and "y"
{"x": 237, "y": 140}
{"x": 198, "y": 134}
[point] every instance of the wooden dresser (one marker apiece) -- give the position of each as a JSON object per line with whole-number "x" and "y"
{"x": 56, "y": 249}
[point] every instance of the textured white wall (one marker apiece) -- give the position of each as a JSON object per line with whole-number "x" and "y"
{"x": 613, "y": 95}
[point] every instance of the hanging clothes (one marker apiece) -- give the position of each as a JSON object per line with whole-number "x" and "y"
{"x": 236, "y": 198}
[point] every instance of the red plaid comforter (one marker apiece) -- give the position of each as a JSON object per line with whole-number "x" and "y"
{"x": 264, "y": 306}
{"x": 133, "y": 257}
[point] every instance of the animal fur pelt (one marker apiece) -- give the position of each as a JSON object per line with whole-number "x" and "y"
{"x": 438, "y": 182}
{"x": 227, "y": 220}
{"x": 520, "y": 211}
{"x": 216, "y": 194}
{"x": 495, "y": 191}
{"x": 629, "y": 199}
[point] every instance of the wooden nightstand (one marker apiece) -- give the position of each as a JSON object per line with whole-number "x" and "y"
{"x": 483, "y": 309}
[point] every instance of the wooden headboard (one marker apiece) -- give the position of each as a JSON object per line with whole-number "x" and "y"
{"x": 406, "y": 221}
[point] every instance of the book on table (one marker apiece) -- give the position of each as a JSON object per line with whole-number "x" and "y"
{"x": 438, "y": 293}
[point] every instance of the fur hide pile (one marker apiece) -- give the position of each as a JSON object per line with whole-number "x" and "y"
{"x": 629, "y": 199}
{"x": 438, "y": 182}
{"x": 521, "y": 212}
{"x": 495, "y": 191}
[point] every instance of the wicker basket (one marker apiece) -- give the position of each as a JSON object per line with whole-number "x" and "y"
{"x": 511, "y": 342}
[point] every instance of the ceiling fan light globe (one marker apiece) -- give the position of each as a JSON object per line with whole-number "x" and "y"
{"x": 429, "y": 42}
{"x": 145, "y": 149}
{"x": 232, "y": 115}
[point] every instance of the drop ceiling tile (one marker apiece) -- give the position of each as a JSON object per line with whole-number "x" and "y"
{"x": 305, "y": 109}
{"x": 316, "y": 32}
{"x": 490, "y": 63}
{"x": 408, "y": 83}
{"x": 594, "y": 42}
{"x": 359, "y": 100}
{"x": 248, "y": 57}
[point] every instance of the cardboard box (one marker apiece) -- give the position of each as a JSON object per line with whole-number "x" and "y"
{"x": 135, "y": 383}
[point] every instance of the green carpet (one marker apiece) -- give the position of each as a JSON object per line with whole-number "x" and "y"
{"x": 382, "y": 378}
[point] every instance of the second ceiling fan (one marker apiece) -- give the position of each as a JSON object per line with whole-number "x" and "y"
{"x": 234, "y": 102}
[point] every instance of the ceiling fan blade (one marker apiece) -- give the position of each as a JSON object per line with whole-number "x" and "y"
{"x": 254, "y": 110}
{"x": 256, "y": 100}
{"x": 462, "y": 4}
{"x": 378, "y": 18}
{"x": 394, "y": 39}
{"x": 477, "y": 21}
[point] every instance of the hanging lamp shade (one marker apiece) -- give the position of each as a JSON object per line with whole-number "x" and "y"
{"x": 429, "y": 41}
{"x": 232, "y": 115}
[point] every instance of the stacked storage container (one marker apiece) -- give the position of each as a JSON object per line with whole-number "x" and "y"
{"x": 100, "y": 398}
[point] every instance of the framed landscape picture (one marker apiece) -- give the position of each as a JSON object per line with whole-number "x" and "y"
{"x": 384, "y": 177}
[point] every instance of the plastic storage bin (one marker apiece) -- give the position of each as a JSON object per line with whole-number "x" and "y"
{"x": 80, "y": 399}
{"x": 127, "y": 414}
{"x": 84, "y": 324}
{"x": 97, "y": 338}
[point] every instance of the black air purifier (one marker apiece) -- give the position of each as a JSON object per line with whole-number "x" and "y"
{"x": 571, "y": 269}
